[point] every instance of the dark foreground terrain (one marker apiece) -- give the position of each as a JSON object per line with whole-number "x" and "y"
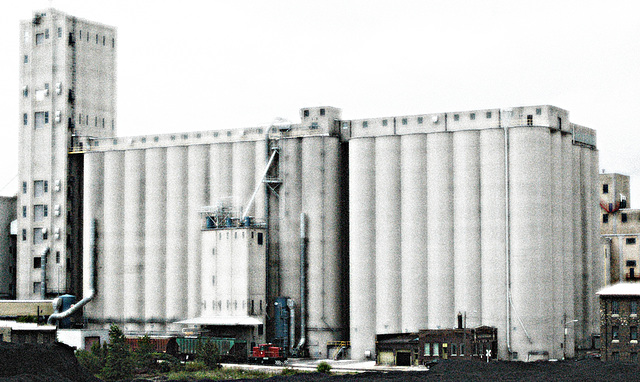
{"x": 26, "y": 362}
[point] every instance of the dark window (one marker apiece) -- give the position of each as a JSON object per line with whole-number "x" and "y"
{"x": 305, "y": 113}
{"x": 24, "y": 187}
{"x": 113, "y": 42}
{"x": 559, "y": 123}
{"x": 59, "y": 32}
{"x": 46, "y": 186}
{"x": 97, "y": 38}
{"x": 605, "y": 188}
{"x": 633, "y": 307}
{"x": 631, "y": 240}
{"x": 24, "y": 211}
{"x": 96, "y": 122}
{"x": 260, "y": 329}
{"x": 79, "y": 118}
{"x": 384, "y": 122}
{"x": 38, "y": 188}
{"x": 39, "y": 38}
{"x": 530, "y": 120}
{"x": 41, "y": 118}
{"x": 25, "y": 91}
{"x": 103, "y": 123}
{"x": 420, "y": 119}
{"x": 104, "y": 40}
{"x": 259, "y": 238}
{"x": 472, "y": 116}
{"x": 36, "y": 287}
{"x": 538, "y": 111}
{"x": 365, "y": 124}
{"x": 25, "y": 119}
{"x": 57, "y": 257}
{"x": 321, "y": 111}
{"x": 623, "y": 217}
{"x": 615, "y": 307}
{"x": 26, "y": 59}
{"x": 46, "y": 33}
{"x": 24, "y": 235}
{"x": 488, "y": 114}
{"x": 631, "y": 263}
{"x": 633, "y": 333}
{"x": 615, "y": 332}
{"x": 404, "y": 121}
{"x": 37, "y": 262}
{"x": 456, "y": 117}
{"x": 86, "y": 120}
{"x": 81, "y": 34}
{"x": 314, "y": 125}
{"x": 605, "y": 218}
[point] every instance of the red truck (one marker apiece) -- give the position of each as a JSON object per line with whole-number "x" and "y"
{"x": 267, "y": 353}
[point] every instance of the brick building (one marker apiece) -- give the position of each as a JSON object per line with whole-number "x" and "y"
{"x": 619, "y": 322}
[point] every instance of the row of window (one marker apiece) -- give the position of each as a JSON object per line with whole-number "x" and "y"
{"x": 633, "y": 356}
{"x": 42, "y": 119}
{"x": 37, "y": 261}
{"x": 259, "y": 240}
{"x": 40, "y": 37}
{"x": 615, "y": 307}
{"x": 633, "y": 333}
{"x": 40, "y": 211}
{"x": 39, "y": 235}
{"x": 624, "y": 217}
{"x": 217, "y": 305}
{"x": 40, "y": 187}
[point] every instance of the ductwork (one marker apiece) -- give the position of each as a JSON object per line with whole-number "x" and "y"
{"x": 43, "y": 269}
{"x": 303, "y": 282}
{"x": 92, "y": 290}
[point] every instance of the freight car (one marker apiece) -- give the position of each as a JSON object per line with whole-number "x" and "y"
{"x": 268, "y": 353}
{"x": 166, "y": 345}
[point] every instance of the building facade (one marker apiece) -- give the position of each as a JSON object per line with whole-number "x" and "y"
{"x": 371, "y": 226}
{"x": 619, "y": 322}
{"x": 620, "y": 229}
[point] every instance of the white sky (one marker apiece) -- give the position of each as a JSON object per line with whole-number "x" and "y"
{"x": 199, "y": 65}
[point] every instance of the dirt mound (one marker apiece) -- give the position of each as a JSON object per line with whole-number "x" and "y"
{"x": 37, "y": 362}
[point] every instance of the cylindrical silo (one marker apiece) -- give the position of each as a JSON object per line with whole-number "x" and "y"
{"x": 134, "y": 209}
{"x": 493, "y": 217}
{"x": 261, "y": 158}
{"x": 289, "y": 222}
{"x": 557, "y": 245}
{"x": 220, "y": 170}
{"x": 579, "y": 287}
{"x": 531, "y": 275}
{"x": 466, "y": 226}
{"x": 113, "y": 235}
{"x": 93, "y": 210}
{"x": 320, "y": 187}
{"x": 569, "y": 225}
{"x": 388, "y": 235}
{"x": 414, "y": 297}
{"x": 176, "y": 231}
{"x": 155, "y": 237}
{"x": 197, "y": 181}
{"x": 440, "y": 258}
{"x": 243, "y": 175}
{"x": 362, "y": 238}
{"x": 593, "y": 237}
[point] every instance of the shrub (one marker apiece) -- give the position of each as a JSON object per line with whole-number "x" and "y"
{"x": 89, "y": 361}
{"x": 207, "y": 352}
{"x": 194, "y": 366}
{"x": 323, "y": 367}
{"x": 288, "y": 371}
{"x": 118, "y": 365}
{"x": 143, "y": 358}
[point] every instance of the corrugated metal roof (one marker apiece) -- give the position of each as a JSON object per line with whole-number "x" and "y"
{"x": 620, "y": 289}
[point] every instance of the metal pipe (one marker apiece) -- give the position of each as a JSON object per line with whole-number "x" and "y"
{"x": 92, "y": 272}
{"x": 292, "y": 323}
{"x": 43, "y": 268}
{"x": 507, "y": 246}
{"x": 253, "y": 196}
{"x": 303, "y": 282}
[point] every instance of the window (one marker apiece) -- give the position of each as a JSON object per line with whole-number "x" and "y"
{"x": 615, "y": 356}
{"x": 36, "y": 287}
{"x": 79, "y": 118}
{"x": 39, "y": 38}
{"x": 46, "y": 186}
{"x": 530, "y": 120}
{"x": 605, "y": 188}
{"x": 538, "y": 111}
{"x": 461, "y": 349}
{"x": 86, "y": 120}
{"x": 25, "y": 119}
{"x": 456, "y": 117}
{"x": 633, "y": 333}
{"x": 38, "y": 188}
{"x": 96, "y": 122}
{"x": 59, "y": 32}
{"x": 427, "y": 349}
{"x": 605, "y": 218}
{"x": 24, "y": 211}
{"x": 623, "y": 217}
{"x": 631, "y": 240}
{"x": 39, "y": 212}
{"x": 559, "y": 123}
{"x": 631, "y": 263}
{"x": 24, "y": 187}
{"x": 57, "y": 257}
{"x": 113, "y": 42}
{"x": 404, "y": 121}
{"x": 37, "y": 262}
{"x": 80, "y": 34}
{"x": 42, "y": 118}
{"x": 46, "y": 33}
{"x": 615, "y": 335}
{"x": 260, "y": 238}
{"x": 623, "y": 203}
{"x": 25, "y": 91}
{"x": 39, "y": 235}
{"x": 24, "y": 235}
{"x": 97, "y": 38}
{"x": 103, "y": 123}
{"x": 615, "y": 307}
{"x": 436, "y": 350}
{"x": 305, "y": 113}
{"x": 365, "y": 124}
{"x": 453, "y": 350}
{"x": 420, "y": 119}
{"x": 26, "y": 59}
{"x": 488, "y": 114}
{"x": 633, "y": 307}
{"x": 213, "y": 280}
{"x": 472, "y": 116}
{"x": 314, "y": 125}
{"x": 321, "y": 112}
{"x": 104, "y": 39}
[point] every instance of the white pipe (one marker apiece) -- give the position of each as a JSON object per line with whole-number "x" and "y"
{"x": 253, "y": 196}
{"x": 303, "y": 282}
{"x": 292, "y": 323}
{"x": 92, "y": 290}
{"x": 507, "y": 246}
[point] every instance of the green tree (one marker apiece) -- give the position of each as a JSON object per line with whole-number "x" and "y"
{"x": 207, "y": 352}
{"x": 118, "y": 365}
{"x": 93, "y": 360}
{"x": 143, "y": 356}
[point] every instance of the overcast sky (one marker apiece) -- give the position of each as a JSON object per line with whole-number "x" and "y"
{"x": 199, "y": 65}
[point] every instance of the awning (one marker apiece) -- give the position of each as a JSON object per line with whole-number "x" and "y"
{"x": 223, "y": 321}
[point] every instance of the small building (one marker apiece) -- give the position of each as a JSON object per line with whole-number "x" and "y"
{"x": 619, "y": 322}
{"x": 83, "y": 339}
{"x": 27, "y": 333}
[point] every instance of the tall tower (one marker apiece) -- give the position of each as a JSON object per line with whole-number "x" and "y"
{"x": 67, "y": 96}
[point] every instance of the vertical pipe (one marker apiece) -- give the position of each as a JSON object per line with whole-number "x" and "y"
{"x": 557, "y": 246}
{"x": 388, "y": 234}
{"x": 413, "y": 273}
{"x": 197, "y": 181}
{"x": 93, "y": 214}
{"x": 440, "y": 259}
{"x": 43, "y": 269}
{"x": 134, "y": 207}
{"x": 568, "y": 176}
{"x": 362, "y": 255}
{"x": 303, "y": 282}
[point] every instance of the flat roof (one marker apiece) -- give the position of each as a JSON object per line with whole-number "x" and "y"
{"x": 620, "y": 289}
